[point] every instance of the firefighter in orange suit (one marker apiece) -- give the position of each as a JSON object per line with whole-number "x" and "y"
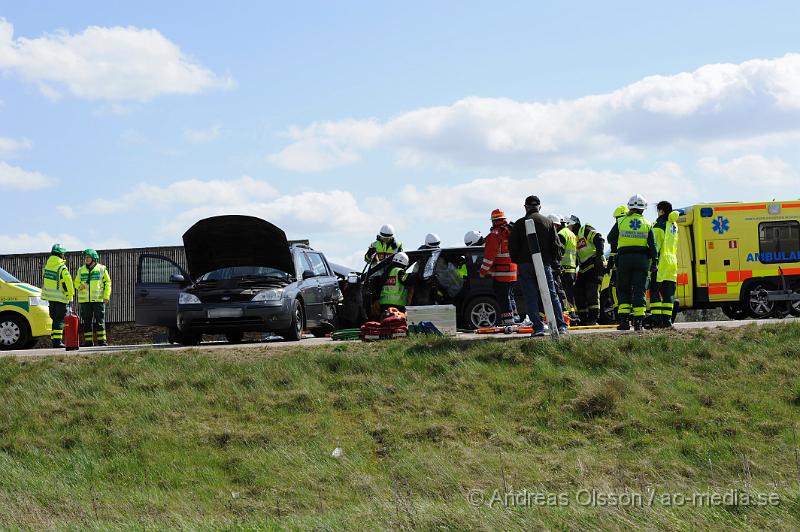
{"x": 497, "y": 264}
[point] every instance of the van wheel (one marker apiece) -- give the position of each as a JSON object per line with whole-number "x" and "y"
{"x": 734, "y": 311}
{"x": 756, "y": 302}
{"x": 794, "y": 306}
{"x": 234, "y": 337}
{"x": 295, "y": 332}
{"x": 482, "y": 312}
{"x": 13, "y": 332}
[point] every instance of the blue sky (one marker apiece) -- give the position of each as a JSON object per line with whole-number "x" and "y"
{"x": 123, "y": 124}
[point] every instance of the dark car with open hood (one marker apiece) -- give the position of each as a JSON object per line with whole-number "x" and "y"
{"x": 243, "y": 276}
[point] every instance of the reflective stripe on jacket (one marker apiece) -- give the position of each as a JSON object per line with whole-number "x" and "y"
{"x": 380, "y": 250}
{"x": 394, "y": 292}
{"x": 668, "y": 250}
{"x": 584, "y": 244}
{"x": 56, "y": 282}
{"x": 570, "y": 258}
{"x": 633, "y": 231}
{"x": 497, "y": 261}
{"x": 94, "y": 286}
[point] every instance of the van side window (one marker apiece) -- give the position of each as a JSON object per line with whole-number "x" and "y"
{"x": 779, "y": 242}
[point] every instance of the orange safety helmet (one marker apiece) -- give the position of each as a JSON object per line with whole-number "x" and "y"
{"x": 498, "y": 214}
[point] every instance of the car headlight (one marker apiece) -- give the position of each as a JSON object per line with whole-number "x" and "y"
{"x": 38, "y": 302}
{"x": 185, "y": 298}
{"x": 268, "y": 295}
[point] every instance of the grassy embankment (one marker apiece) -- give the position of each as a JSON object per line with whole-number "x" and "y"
{"x": 244, "y": 438}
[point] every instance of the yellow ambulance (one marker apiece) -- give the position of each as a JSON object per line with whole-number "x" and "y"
{"x": 731, "y": 255}
{"x": 24, "y": 315}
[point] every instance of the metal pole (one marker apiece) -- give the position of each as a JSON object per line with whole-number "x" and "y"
{"x": 541, "y": 278}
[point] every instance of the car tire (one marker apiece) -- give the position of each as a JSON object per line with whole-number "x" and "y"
{"x": 734, "y": 311}
{"x": 794, "y": 306}
{"x": 234, "y": 337}
{"x": 295, "y": 332}
{"x": 188, "y": 339}
{"x": 755, "y": 302}
{"x": 482, "y": 312}
{"x": 13, "y": 332}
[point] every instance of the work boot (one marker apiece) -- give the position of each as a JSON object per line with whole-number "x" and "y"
{"x": 102, "y": 343}
{"x": 624, "y": 323}
{"x": 638, "y": 323}
{"x": 57, "y": 344}
{"x": 87, "y": 344}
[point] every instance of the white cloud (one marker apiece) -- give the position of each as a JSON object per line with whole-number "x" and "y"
{"x": 202, "y": 135}
{"x": 561, "y": 191}
{"x": 43, "y": 241}
{"x": 750, "y": 169}
{"x": 14, "y": 177}
{"x": 9, "y": 146}
{"x": 718, "y": 102}
{"x": 189, "y": 192}
{"x": 66, "y": 211}
{"x": 104, "y": 63}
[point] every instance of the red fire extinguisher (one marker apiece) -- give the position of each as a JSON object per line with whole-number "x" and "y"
{"x": 71, "y": 332}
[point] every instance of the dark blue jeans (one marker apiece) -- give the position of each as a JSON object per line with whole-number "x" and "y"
{"x": 530, "y": 288}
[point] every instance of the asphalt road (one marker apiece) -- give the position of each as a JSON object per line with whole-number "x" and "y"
{"x": 323, "y": 341}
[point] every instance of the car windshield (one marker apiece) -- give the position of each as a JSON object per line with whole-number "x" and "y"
{"x": 255, "y": 273}
{"x": 7, "y": 277}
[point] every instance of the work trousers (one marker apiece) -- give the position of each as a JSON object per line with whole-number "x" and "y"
{"x": 568, "y": 284}
{"x": 587, "y": 296}
{"x": 57, "y": 313}
{"x": 502, "y": 292}
{"x": 632, "y": 273}
{"x": 93, "y": 314}
{"x": 662, "y": 301}
{"x": 530, "y": 289}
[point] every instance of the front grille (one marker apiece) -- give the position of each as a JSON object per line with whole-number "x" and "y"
{"x": 232, "y": 297}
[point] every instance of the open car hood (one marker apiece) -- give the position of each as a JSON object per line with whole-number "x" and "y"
{"x": 225, "y": 241}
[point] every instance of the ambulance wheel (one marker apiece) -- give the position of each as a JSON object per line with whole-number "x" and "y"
{"x": 734, "y": 311}
{"x": 13, "y": 332}
{"x": 794, "y": 306}
{"x": 482, "y": 312}
{"x": 756, "y": 302}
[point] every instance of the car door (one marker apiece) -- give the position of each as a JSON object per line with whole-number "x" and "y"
{"x": 328, "y": 283}
{"x": 309, "y": 289}
{"x": 159, "y": 280}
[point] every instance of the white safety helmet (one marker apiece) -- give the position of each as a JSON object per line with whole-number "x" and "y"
{"x": 472, "y": 238}
{"x": 564, "y": 220}
{"x": 432, "y": 240}
{"x": 556, "y": 219}
{"x": 387, "y": 232}
{"x": 401, "y": 259}
{"x": 573, "y": 220}
{"x": 637, "y": 202}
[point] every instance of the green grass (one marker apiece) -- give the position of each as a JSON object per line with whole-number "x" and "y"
{"x": 243, "y": 439}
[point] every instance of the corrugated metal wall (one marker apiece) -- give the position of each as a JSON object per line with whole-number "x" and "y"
{"x": 121, "y": 264}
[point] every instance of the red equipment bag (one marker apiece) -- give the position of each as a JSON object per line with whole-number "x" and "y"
{"x": 71, "y": 331}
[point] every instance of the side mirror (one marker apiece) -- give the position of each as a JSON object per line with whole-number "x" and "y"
{"x": 308, "y": 274}
{"x": 352, "y": 278}
{"x": 177, "y": 278}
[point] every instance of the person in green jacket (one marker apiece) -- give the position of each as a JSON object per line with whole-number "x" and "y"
{"x": 94, "y": 293}
{"x": 58, "y": 290}
{"x": 664, "y": 281}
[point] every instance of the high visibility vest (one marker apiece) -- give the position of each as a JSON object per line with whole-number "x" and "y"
{"x": 56, "y": 281}
{"x": 569, "y": 260}
{"x": 585, "y": 245}
{"x": 668, "y": 254}
{"x": 382, "y": 250}
{"x": 497, "y": 261}
{"x": 394, "y": 292}
{"x": 633, "y": 231}
{"x": 94, "y": 286}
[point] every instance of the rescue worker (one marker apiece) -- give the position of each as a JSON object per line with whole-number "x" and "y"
{"x": 431, "y": 242}
{"x": 94, "y": 293}
{"x": 384, "y": 246}
{"x": 589, "y": 247}
{"x": 58, "y": 290}
{"x": 569, "y": 266}
{"x": 394, "y": 292}
{"x": 497, "y": 265}
{"x": 473, "y": 238}
{"x": 551, "y": 251}
{"x": 611, "y": 268}
{"x": 634, "y": 244}
{"x": 665, "y": 280}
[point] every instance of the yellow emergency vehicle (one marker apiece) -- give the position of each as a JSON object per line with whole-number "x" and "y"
{"x": 731, "y": 256}
{"x": 24, "y": 315}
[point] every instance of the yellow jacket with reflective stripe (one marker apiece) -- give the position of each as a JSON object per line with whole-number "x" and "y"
{"x": 667, "y": 245}
{"x": 570, "y": 259}
{"x": 94, "y": 285}
{"x": 633, "y": 231}
{"x": 57, "y": 283}
{"x": 394, "y": 291}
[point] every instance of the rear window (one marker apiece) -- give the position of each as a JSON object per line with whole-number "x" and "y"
{"x": 7, "y": 277}
{"x": 779, "y": 242}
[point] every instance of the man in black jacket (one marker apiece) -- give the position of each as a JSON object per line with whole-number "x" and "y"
{"x": 551, "y": 250}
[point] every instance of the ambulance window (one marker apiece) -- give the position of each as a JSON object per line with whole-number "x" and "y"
{"x": 7, "y": 277}
{"x": 779, "y": 242}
